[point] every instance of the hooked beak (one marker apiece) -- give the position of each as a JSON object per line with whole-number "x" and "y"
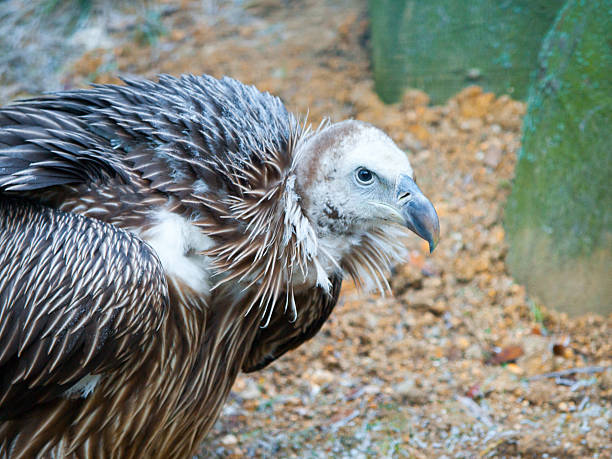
{"x": 419, "y": 213}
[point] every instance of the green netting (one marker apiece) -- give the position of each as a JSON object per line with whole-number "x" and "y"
{"x": 441, "y": 46}
{"x": 559, "y": 217}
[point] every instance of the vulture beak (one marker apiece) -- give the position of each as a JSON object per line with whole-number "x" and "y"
{"x": 419, "y": 213}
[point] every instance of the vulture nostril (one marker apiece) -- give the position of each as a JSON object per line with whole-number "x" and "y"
{"x": 404, "y": 196}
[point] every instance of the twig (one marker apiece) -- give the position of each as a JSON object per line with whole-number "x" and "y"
{"x": 344, "y": 421}
{"x": 491, "y": 447}
{"x": 582, "y": 383}
{"x": 569, "y": 371}
{"x": 583, "y": 403}
{"x": 503, "y": 437}
{"x": 475, "y": 410}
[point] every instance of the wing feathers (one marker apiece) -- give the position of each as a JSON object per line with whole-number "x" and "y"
{"x": 68, "y": 284}
{"x": 41, "y": 148}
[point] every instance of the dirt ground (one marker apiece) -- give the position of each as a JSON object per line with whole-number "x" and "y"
{"x": 458, "y": 361}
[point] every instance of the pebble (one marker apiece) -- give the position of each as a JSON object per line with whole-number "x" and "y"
{"x": 251, "y": 391}
{"x": 229, "y": 440}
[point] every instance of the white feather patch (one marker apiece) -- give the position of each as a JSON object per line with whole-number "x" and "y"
{"x": 179, "y": 244}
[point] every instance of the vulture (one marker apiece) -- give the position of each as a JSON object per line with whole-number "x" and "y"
{"x": 159, "y": 237}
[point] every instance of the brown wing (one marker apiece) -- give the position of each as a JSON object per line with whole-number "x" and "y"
{"x": 281, "y": 335}
{"x": 77, "y": 297}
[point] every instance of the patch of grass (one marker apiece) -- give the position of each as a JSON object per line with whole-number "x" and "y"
{"x": 77, "y": 11}
{"x": 149, "y": 31}
{"x": 504, "y": 184}
{"x": 538, "y": 315}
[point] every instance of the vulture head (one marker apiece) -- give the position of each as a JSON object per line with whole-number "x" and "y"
{"x": 353, "y": 181}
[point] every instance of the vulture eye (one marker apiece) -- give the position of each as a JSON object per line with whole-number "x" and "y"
{"x": 364, "y": 176}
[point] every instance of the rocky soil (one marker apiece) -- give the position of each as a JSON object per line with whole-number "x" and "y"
{"x": 457, "y": 361}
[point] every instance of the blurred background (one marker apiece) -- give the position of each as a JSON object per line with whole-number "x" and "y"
{"x": 500, "y": 343}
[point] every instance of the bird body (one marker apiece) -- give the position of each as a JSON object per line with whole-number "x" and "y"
{"x": 158, "y": 238}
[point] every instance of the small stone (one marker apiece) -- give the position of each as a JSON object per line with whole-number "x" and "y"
{"x": 482, "y": 263}
{"x": 493, "y": 156}
{"x": 321, "y": 377}
{"x": 462, "y": 343}
{"x": 405, "y": 387}
{"x": 563, "y": 350}
{"x": 474, "y": 74}
{"x": 605, "y": 380}
{"x": 601, "y": 423}
{"x": 177, "y": 35}
{"x": 514, "y": 369}
{"x": 474, "y": 352}
{"x": 438, "y": 308}
{"x": 365, "y": 99}
{"x": 470, "y": 124}
{"x": 229, "y": 440}
{"x": 412, "y": 143}
{"x": 464, "y": 269}
{"x": 420, "y": 132}
{"x": 408, "y": 391}
{"x": 251, "y": 390}
{"x": 415, "y": 98}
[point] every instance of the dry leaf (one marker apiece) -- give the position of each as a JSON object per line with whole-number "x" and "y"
{"x": 507, "y": 354}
